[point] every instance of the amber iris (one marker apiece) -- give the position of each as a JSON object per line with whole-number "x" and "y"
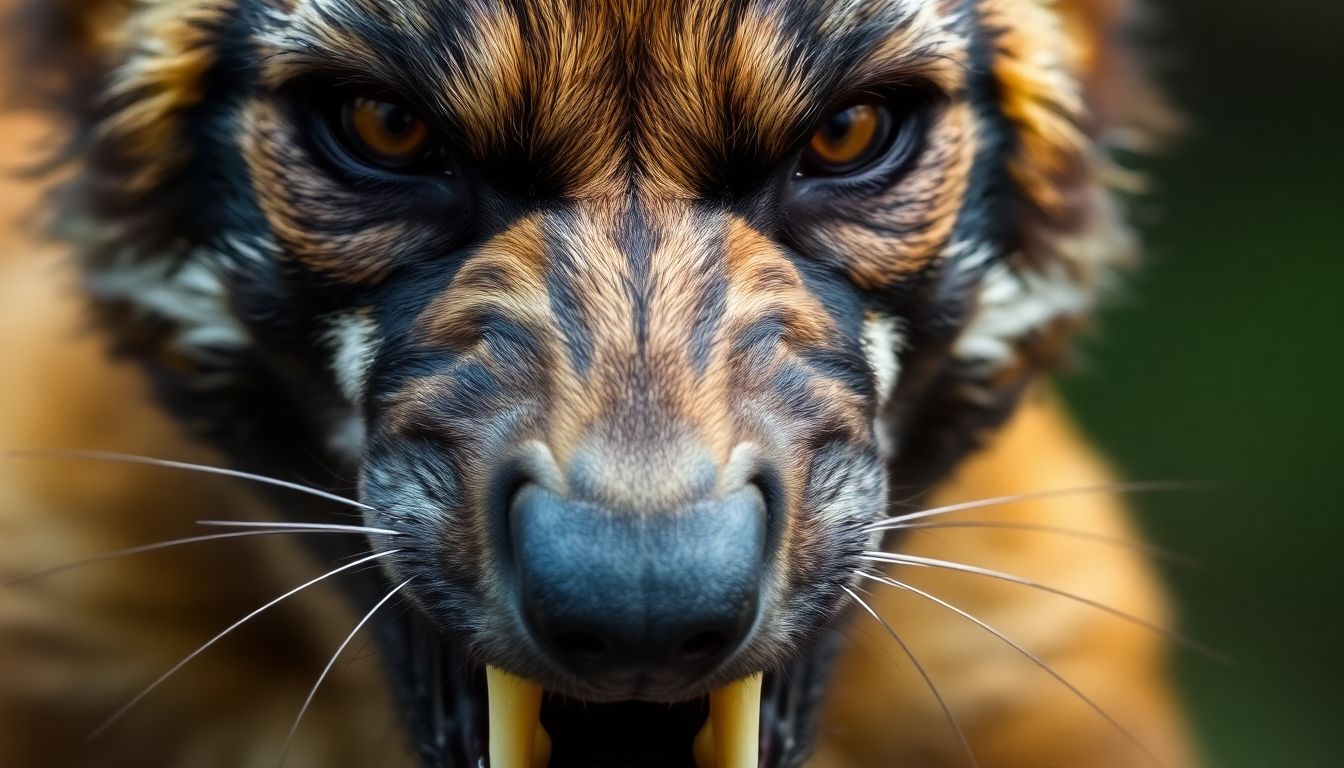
{"x": 385, "y": 132}
{"x": 849, "y": 139}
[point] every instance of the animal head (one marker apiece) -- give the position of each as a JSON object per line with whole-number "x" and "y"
{"x": 628, "y": 317}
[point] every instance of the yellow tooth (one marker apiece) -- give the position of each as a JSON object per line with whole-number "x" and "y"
{"x": 732, "y": 736}
{"x": 515, "y": 721}
{"x": 541, "y": 749}
{"x": 703, "y": 749}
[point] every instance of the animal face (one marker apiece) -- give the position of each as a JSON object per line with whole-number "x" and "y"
{"x": 623, "y": 316}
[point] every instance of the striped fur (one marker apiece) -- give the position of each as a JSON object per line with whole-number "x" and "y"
{"x": 621, "y": 267}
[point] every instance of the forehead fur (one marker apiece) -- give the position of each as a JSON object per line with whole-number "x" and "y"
{"x": 510, "y": 69}
{"x": 687, "y": 92}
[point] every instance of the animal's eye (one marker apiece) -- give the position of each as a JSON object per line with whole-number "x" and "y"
{"x": 386, "y": 134}
{"x": 849, "y": 140}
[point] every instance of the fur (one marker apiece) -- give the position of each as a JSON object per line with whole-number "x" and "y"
{"x": 611, "y": 276}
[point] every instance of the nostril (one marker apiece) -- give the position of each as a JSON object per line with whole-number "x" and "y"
{"x": 624, "y": 599}
{"x": 702, "y": 647}
{"x": 581, "y": 645}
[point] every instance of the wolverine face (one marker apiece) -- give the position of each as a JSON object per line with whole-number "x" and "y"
{"x": 622, "y": 316}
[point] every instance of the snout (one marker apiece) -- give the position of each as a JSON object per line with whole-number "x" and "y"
{"x": 639, "y": 603}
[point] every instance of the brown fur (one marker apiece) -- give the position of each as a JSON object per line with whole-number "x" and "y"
{"x": 881, "y": 712}
{"x": 74, "y": 648}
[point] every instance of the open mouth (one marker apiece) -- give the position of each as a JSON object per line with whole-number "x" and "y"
{"x": 519, "y": 732}
{"x": 487, "y": 717}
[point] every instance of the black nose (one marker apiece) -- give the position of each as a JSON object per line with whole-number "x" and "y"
{"x": 639, "y": 602}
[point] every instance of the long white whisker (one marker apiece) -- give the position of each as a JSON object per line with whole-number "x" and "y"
{"x": 1100, "y": 538}
{"x": 109, "y": 722}
{"x": 329, "y": 527}
{"x": 127, "y": 458}
{"x": 998, "y": 501}
{"x": 947, "y": 711}
{"x": 1033, "y": 658}
{"x": 289, "y": 741}
{"x": 144, "y": 548}
{"x": 928, "y": 562}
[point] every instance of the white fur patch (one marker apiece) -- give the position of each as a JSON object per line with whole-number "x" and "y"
{"x": 187, "y": 293}
{"x": 1012, "y": 305}
{"x": 247, "y": 251}
{"x": 883, "y": 340}
{"x": 969, "y": 257}
{"x": 353, "y": 341}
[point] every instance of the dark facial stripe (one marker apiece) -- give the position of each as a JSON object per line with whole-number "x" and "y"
{"x": 566, "y": 300}
{"x": 710, "y": 308}
{"x": 638, "y": 239}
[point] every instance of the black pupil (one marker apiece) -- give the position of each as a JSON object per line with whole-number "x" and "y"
{"x": 397, "y": 121}
{"x": 839, "y": 126}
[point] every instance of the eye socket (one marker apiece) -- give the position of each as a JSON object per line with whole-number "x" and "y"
{"x": 849, "y": 140}
{"x": 386, "y": 134}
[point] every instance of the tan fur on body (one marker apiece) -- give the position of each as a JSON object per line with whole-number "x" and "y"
{"x": 881, "y": 712}
{"x": 76, "y": 646}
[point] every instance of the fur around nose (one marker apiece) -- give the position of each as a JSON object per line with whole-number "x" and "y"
{"x": 636, "y": 602}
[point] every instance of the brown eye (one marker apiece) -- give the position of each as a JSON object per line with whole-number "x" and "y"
{"x": 386, "y": 133}
{"x": 849, "y": 140}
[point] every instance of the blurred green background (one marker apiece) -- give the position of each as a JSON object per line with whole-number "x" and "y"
{"x": 1223, "y": 361}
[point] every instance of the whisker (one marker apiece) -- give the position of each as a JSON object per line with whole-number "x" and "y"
{"x": 145, "y": 548}
{"x": 365, "y": 652}
{"x": 328, "y": 527}
{"x": 127, "y": 458}
{"x": 998, "y": 501}
{"x": 947, "y": 711}
{"x": 109, "y": 722}
{"x": 1033, "y": 658}
{"x": 289, "y": 741}
{"x": 1100, "y": 538}
{"x": 928, "y": 562}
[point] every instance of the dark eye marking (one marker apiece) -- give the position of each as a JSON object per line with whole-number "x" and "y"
{"x": 848, "y": 140}
{"x": 381, "y": 133}
{"x": 384, "y": 131}
{"x": 877, "y": 135}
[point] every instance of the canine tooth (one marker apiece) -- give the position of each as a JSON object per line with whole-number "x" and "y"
{"x": 703, "y": 749}
{"x": 734, "y": 727}
{"x": 515, "y": 721}
{"x": 541, "y": 749}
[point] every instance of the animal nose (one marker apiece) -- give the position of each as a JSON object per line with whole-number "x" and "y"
{"x": 636, "y": 601}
